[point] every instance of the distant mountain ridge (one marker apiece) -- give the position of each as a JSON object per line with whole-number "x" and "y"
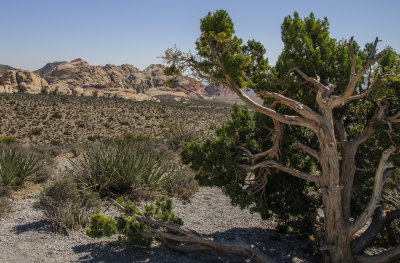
{"x": 79, "y": 78}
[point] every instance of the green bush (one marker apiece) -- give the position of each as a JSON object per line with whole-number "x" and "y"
{"x": 17, "y": 166}
{"x": 116, "y": 167}
{"x": 8, "y": 139}
{"x": 67, "y": 206}
{"x": 128, "y": 227}
{"x": 177, "y": 133}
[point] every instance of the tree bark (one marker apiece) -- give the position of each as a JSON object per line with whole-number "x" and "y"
{"x": 337, "y": 237}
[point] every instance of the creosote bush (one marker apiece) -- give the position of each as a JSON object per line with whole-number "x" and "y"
{"x": 67, "y": 206}
{"x": 128, "y": 227}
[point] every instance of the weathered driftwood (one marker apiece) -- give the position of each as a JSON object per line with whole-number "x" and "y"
{"x": 194, "y": 242}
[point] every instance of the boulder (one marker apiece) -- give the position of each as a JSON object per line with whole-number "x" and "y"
{"x": 23, "y": 81}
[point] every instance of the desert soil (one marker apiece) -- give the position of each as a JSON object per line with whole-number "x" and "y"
{"x": 26, "y": 236}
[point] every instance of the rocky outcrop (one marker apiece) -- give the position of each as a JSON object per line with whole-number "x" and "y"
{"x": 214, "y": 90}
{"x": 79, "y": 78}
{"x": 22, "y": 81}
{"x": 47, "y": 68}
{"x": 124, "y": 81}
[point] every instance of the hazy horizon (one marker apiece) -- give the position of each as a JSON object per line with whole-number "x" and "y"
{"x": 137, "y": 32}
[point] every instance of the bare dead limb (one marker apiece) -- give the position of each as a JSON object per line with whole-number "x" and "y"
{"x": 300, "y": 108}
{"x": 306, "y": 149}
{"x": 361, "y": 243}
{"x": 355, "y": 77}
{"x": 318, "y": 85}
{"x": 380, "y": 175}
{"x": 189, "y": 236}
{"x": 241, "y": 249}
{"x": 369, "y": 130}
{"x": 384, "y": 257}
{"x": 283, "y": 168}
{"x": 287, "y": 119}
{"x": 369, "y": 89}
{"x": 395, "y": 118}
{"x": 272, "y": 153}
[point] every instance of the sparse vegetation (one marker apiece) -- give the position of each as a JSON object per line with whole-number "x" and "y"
{"x": 85, "y": 122}
{"x": 8, "y": 139}
{"x": 67, "y": 206}
{"x": 134, "y": 231}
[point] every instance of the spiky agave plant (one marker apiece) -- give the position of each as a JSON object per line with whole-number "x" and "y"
{"x": 117, "y": 168}
{"x": 16, "y": 166}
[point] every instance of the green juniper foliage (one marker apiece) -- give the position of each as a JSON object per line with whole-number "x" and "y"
{"x": 309, "y": 47}
{"x": 128, "y": 227}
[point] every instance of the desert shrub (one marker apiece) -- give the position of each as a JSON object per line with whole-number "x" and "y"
{"x": 17, "y": 166}
{"x": 117, "y": 167}
{"x": 67, "y": 206}
{"x": 176, "y": 133}
{"x": 128, "y": 227}
{"x": 36, "y": 131}
{"x": 8, "y": 139}
{"x": 182, "y": 184}
{"x": 56, "y": 142}
{"x": 56, "y": 115}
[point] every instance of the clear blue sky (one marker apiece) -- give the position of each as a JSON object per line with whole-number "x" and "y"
{"x": 35, "y": 32}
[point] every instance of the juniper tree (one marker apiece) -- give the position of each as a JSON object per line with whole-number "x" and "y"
{"x": 326, "y": 134}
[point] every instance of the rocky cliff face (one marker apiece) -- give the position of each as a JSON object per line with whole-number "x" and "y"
{"x": 213, "y": 90}
{"x": 79, "y": 78}
{"x": 22, "y": 81}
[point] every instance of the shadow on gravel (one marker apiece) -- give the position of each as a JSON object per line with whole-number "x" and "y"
{"x": 38, "y": 226}
{"x": 112, "y": 252}
{"x": 281, "y": 247}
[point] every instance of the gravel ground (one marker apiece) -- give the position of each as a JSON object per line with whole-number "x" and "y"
{"x": 25, "y": 236}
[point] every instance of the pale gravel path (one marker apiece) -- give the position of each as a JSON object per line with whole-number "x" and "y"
{"x": 25, "y": 236}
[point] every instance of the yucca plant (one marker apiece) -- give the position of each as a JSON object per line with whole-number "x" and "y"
{"x": 117, "y": 167}
{"x": 16, "y": 167}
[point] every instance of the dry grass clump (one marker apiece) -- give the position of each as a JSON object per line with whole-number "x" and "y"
{"x": 67, "y": 206}
{"x": 182, "y": 184}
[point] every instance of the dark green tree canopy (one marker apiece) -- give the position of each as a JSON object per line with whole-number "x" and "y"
{"x": 324, "y": 139}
